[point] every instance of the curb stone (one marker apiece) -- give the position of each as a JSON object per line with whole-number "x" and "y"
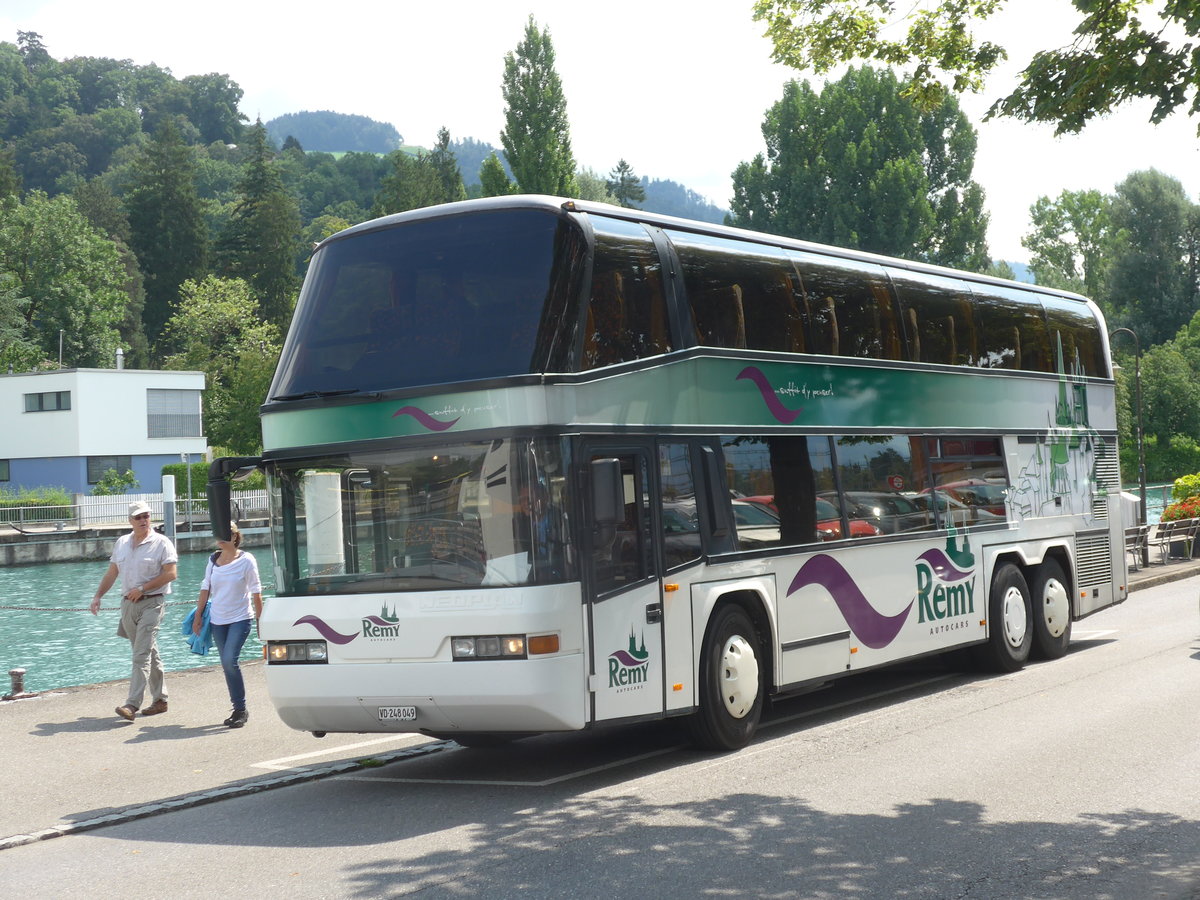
{"x": 243, "y": 789}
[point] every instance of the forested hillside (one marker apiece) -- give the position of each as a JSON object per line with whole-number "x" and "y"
{"x": 333, "y": 132}
{"x": 143, "y": 211}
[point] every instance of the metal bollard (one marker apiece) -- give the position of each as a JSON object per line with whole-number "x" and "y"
{"x": 18, "y": 686}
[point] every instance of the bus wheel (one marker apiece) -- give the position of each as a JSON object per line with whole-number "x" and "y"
{"x": 1009, "y": 613}
{"x": 1051, "y": 611}
{"x": 731, "y": 683}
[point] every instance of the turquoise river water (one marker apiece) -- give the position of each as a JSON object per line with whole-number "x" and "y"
{"x": 46, "y": 629}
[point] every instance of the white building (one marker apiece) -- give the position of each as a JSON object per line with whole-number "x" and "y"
{"x": 65, "y": 428}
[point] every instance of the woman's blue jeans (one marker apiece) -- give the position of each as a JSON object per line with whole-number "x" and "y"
{"x": 230, "y": 640}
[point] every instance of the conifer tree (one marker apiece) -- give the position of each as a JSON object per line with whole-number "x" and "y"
{"x": 493, "y": 180}
{"x": 167, "y": 227}
{"x": 414, "y": 182}
{"x": 446, "y": 165}
{"x": 260, "y": 239}
{"x": 536, "y": 137}
{"x": 626, "y": 186}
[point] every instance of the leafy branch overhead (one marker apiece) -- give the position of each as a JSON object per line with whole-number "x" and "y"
{"x": 1123, "y": 50}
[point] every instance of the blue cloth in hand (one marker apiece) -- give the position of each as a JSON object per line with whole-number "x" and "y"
{"x": 202, "y": 641}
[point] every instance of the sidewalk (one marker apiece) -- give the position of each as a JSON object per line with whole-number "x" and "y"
{"x": 71, "y": 765}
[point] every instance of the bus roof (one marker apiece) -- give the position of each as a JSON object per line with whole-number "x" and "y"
{"x": 565, "y": 207}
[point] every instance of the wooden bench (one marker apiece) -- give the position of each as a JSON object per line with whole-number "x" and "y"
{"x": 1135, "y": 543}
{"x": 1168, "y": 533}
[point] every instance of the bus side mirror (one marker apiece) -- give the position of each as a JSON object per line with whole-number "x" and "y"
{"x": 217, "y": 489}
{"x": 608, "y": 492}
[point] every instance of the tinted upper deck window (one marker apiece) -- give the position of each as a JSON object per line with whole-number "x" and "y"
{"x": 430, "y": 301}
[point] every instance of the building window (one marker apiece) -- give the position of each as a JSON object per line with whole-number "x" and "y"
{"x": 4, "y": 476}
{"x": 48, "y": 401}
{"x": 98, "y": 465}
{"x": 173, "y": 413}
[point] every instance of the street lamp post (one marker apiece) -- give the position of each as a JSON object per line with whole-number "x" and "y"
{"x": 1141, "y": 448}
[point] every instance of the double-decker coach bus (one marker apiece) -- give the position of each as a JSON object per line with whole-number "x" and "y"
{"x": 541, "y": 465}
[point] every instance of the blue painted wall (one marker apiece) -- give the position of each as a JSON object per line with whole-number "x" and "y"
{"x": 70, "y": 473}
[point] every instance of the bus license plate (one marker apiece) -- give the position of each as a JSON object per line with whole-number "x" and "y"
{"x": 397, "y": 714}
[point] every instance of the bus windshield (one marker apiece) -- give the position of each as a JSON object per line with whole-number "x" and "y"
{"x": 427, "y": 302}
{"x": 492, "y": 513}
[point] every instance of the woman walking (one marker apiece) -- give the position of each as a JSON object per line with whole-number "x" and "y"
{"x": 233, "y": 593}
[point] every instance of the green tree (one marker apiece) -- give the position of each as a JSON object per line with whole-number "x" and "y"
{"x": 114, "y": 482}
{"x": 1119, "y": 54}
{"x": 413, "y": 183}
{"x": 169, "y": 234}
{"x": 1073, "y": 242}
{"x": 260, "y": 241}
{"x": 626, "y": 186}
{"x": 213, "y": 107}
{"x": 591, "y": 186}
{"x": 536, "y": 136}
{"x": 17, "y": 352}
{"x": 860, "y": 166}
{"x": 65, "y": 276}
{"x": 10, "y": 181}
{"x": 1170, "y": 405}
{"x": 1152, "y": 286}
{"x": 444, "y": 163}
{"x": 219, "y": 331}
{"x": 493, "y": 180}
{"x": 105, "y": 213}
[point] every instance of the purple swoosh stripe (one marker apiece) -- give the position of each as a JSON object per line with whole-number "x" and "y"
{"x": 943, "y": 567}
{"x": 381, "y": 622}
{"x": 872, "y": 628}
{"x": 424, "y": 418}
{"x": 777, "y": 409}
{"x": 324, "y": 630}
{"x": 626, "y": 659}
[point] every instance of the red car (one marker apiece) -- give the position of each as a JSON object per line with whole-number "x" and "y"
{"x": 829, "y": 520}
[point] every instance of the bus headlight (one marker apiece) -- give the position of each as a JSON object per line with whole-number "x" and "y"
{"x": 283, "y": 652}
{"x": 500, "y": 646}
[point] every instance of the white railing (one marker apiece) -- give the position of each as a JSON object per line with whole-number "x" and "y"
{"x": 91, "y": 512}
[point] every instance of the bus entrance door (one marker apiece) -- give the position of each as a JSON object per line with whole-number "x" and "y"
{"x": 626, "y": 600}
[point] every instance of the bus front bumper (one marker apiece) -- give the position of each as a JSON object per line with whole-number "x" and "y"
{"x": 528, "y": 695}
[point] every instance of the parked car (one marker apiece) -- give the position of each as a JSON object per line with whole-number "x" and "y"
{"x": 829, "y": 519}
{"x": 756, "y": 524}
{"x": 892, "y": 513}
{"x": 976, "y": 493}
{"x": 954, "y": 511}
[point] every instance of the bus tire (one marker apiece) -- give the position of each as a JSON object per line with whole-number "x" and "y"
{"x": 1010, "y": 632}
{"x": 1051, "y": 611}
{"x": 731, "y": 682}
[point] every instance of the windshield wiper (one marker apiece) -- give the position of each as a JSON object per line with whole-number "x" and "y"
{"x": 316, "y": 395}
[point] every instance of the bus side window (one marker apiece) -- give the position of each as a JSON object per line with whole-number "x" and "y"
{"x": 853, "y": 313}
{"x": 940, "y": 320}
{"x": 605, "y": 339}
{"x": 626, "y": 316}
{"x": 720, "y": 318}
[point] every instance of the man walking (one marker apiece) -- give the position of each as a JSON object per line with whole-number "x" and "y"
{"x": 146, "y": 563}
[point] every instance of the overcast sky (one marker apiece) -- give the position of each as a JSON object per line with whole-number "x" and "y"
{"x": 678, "y": 88}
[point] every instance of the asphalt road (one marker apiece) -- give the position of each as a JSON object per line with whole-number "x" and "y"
{"x": 1071, "y": 779}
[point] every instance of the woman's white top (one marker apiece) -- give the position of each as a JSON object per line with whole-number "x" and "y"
{"x": 229, "y": 588}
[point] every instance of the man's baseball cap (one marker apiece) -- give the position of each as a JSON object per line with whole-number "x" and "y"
{"x": 138, "y": 507}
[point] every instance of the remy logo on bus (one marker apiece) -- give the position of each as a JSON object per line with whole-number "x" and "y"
{"x": 385, "y": 625}
{"x": 629, "y": 669}
{"x": 946, "y": 585}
